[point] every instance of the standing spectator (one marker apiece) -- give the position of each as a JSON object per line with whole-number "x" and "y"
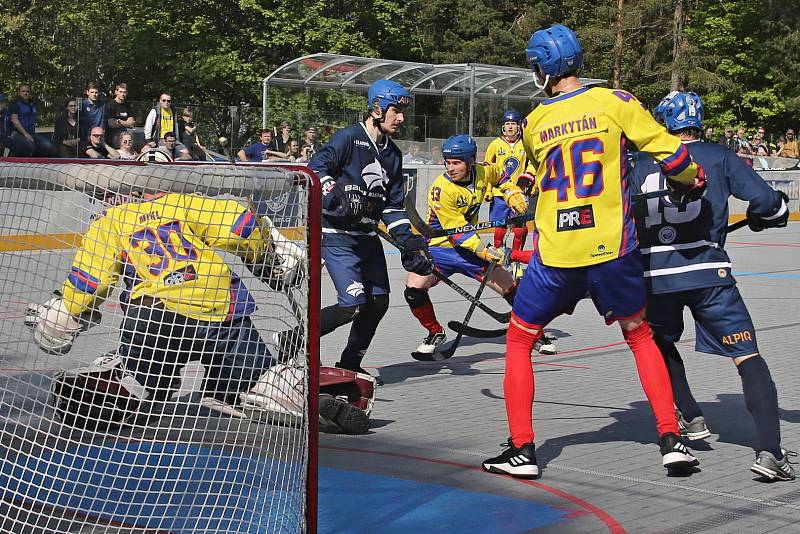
{"x": 305, "y": 153}
{"x": 92, "y": 111}
{"x": 262, "y": 150}
{"x": 65, "y": 132}
{"x": 96, "y": 146}
{"x": 293, "y": 151}
{"x": 311, "y": 139}
{"x": 190, "y": 137}
{"x": 126, "y": 150}
{"x": 414, "y": 157}
{"x": 159, "y": 121}
{"x": 284, "y": 137}
{"x": 436, "y": 155}
{"x": 728, "y": 140}
{"x": 24, "y": 141}
{"x": 4, "y": 127}
{"x": 760, "y": 146}
{"x": 172, "y": 148}
{"x": 118, "y": 115}
{"x": 790, "y": 148}
{"x": 708, "y": 135}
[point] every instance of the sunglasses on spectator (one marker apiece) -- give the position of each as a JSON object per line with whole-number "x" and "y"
{"x": 127, "y": 140}
{"x": 97, "y": 135}
{"x": 166, "y": 100}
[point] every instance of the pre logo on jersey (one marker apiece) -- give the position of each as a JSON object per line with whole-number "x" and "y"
{"x": 575, "y": 218}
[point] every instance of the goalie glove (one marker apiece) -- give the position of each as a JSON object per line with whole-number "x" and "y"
{"x": 681, "y": 193}
{"x": 516, "y": 199}
{"x": 54, "y": 329}
{"x": 779, "y": 220}
{"x": 490, "y": 254}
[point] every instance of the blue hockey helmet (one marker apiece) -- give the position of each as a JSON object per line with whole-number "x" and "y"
{"x": 555, "y": 51}
{"x": 461, "y": 146}
{"x": 388, "y": 93}
{"x": 680, "y": 110}
{"x": 512, "y": 115}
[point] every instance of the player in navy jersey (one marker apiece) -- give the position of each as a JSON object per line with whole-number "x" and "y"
{"x": 362, "y": 184}
{"x": 686, "y": 266}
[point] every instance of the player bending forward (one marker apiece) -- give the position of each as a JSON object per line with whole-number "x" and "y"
{"x": 686, "y": 266}
{"x": 585, "y": 235}
{"x": 454, "y": 200}
{"x": 181, "y": 303}
{"x": 508, "y": 153}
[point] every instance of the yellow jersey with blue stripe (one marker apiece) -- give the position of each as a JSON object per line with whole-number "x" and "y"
{"x": 578, "y": 143}
{"x": 168, "y": 248}
{"x": 510, "y": 157}
{"x": 451, "y": 205}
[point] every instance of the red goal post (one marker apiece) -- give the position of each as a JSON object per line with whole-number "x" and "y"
{"x": 179, "y": 467}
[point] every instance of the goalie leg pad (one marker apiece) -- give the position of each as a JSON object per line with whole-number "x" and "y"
{"x": 356, "y": 388}
{"x": 97, "y": 397}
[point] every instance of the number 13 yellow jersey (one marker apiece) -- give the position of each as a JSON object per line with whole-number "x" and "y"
{"x": 578, "y": 143}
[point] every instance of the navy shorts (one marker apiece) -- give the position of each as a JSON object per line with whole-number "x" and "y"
{"x": 358, "y": 271}
{"x": 616, "y": 287}
{"x": 498, "y": 209}
{"x": 458, "y": 260}
{"x": 722, "y": 323}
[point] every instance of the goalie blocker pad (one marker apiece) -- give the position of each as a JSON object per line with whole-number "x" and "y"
{"x": 98, "y": 397}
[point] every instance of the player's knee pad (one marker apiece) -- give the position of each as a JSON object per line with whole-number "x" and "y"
{"x": 100, "y": 396}
{"x": 380, "y": 305}
{"x": 346, "y": 314}
{"x": 416, "y": 298}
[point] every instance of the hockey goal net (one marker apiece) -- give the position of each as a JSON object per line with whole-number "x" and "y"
{"x": 171, "y": 462}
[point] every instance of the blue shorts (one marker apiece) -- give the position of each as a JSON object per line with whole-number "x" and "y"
{"x": 498, "y": 209}
{"x": 458, "y": 260}
{"x": 722, "y": 322}
{"x": 358, "y": 271}
{"x": 616, "y": 287}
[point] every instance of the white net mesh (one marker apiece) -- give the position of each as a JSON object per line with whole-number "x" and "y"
{"x": 197, "y": 419}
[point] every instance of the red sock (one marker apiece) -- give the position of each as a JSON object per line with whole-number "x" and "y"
{"x": 522, "y": 255}
{"x": 653, "y": 376}
{"x": 427, "y": 317}
{"x": 520, "y": 234}
{"x": 499, "y": 235}
{"x": 518, "y": 385}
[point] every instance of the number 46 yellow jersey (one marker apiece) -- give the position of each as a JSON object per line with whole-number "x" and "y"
{"x": 578, "y": 144}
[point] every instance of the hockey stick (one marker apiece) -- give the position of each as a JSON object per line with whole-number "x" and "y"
{"x": 470, "y": 331}
{"x": 735, "y": 226}
{"x": 449, "y": 351}
{"x": 430, "y": 232}
{"x": 497, "y": 316}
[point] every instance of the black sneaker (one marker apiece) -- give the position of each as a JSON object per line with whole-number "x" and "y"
{"x": 378, "y": 381}
{"x": 545, "y": 345}
{"x": 771, "y": 469}
{"x": 674, "y": 453}
{"x": 340, "y": 413}
{"x": 430, "y": 343}
{"x": 694, "y": 429}
{"x": 517, "y": 462}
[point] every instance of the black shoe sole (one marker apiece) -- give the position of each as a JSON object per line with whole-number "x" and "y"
{"x": 343, "y": 414}
{"x": 495, "y": 470}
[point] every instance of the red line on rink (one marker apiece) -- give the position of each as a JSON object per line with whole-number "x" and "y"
{"x": 607, "y": 519}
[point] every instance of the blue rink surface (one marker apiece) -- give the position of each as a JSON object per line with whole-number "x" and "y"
{"x": 141, "y": 484}
{"x": 353, "y": 502}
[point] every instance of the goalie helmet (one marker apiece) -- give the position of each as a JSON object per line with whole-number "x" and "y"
{"x": 680, "y": 111}
{"x": 554, "y": 51}
{"x": 97, "y": 397}
{"x": 461, "y": 146}
{"x": 388, "y": 93}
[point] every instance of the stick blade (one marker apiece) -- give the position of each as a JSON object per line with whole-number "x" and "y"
{"x": 471, "y": 331}
{"x": 435, "y": 357}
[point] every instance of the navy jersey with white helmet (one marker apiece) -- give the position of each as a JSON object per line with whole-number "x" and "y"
{"x": 352, "y": 158}
{"x": 682, "y": 246}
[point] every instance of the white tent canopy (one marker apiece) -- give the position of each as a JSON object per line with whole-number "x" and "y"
{"x": 467, "y": 80}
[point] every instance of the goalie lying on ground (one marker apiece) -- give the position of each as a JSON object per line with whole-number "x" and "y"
{"x": 181, "y": 303}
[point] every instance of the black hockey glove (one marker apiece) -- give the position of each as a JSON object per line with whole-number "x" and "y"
{"x": 758, "y": 224}
{"x": 680, "y": 193}
{"x": 416, "y": 258}
{"x": 343, "y": 201}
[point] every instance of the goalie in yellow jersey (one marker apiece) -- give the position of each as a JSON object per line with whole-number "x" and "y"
{"x": 182, "y": 302}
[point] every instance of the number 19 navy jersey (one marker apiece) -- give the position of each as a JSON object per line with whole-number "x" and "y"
{"x": 682, "y": 246}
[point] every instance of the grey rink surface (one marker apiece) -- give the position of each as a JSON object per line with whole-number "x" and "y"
{"x": 595, "y": 434}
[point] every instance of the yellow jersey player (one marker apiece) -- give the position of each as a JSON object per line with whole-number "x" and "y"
{"x": 585, "y": 237}
{"x": 454, "y": 199}
{"x": 181, "y": 301}
{"x": 508, "y": 153}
